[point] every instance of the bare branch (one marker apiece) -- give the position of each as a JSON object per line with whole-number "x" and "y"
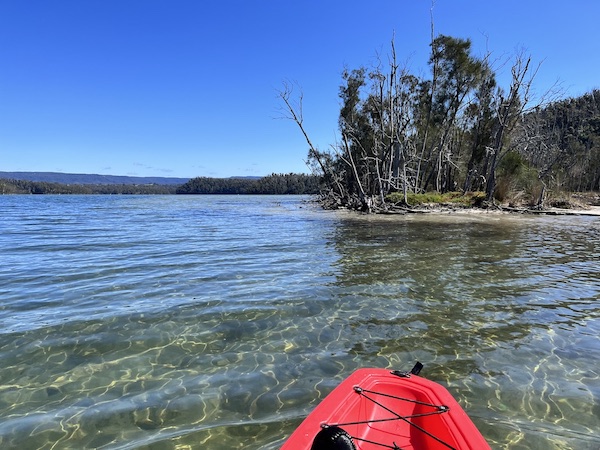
{"x": 293, "y": 111}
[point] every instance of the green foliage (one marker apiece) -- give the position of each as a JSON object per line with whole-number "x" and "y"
{"x": 512, "y": 164}
{"x": 403, "y": 135}
{"x": 273, "y": 184}
{"x": 566, "y": 144}
{"x": 411, "y": 134}
{"x": 457, "y": 72}
{"x": 518, "y": 182}
{"x": 436, "y": 198}
{"x": 43, "y": 187}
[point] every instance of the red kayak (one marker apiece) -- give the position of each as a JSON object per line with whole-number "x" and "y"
{"x": 375, "y": 409}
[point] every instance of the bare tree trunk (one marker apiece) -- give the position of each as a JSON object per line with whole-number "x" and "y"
{"x": 363, "y": 197}
{"x": 431, "y": 96}
{"x": 509, "y": 112}
{"x": 540, "y": 202}
{"x": 294, "y": 113}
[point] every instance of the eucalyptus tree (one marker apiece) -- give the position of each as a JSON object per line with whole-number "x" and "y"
{"x": 509, "y": 110}
{"x": 400, "y": 132}
{"x": 480, "y": 119}
{"x": 375, "y": 124}
{"x": 456, "y": 73}
{"x": 357, "y": 146}
{"x": 377, "y": 127}
{"x": 390, "y": 109}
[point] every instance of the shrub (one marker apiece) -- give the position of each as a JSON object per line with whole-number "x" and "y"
{"x": 456, "y": 198}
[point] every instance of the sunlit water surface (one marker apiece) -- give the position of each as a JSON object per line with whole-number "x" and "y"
{"x": 169, "y": 322}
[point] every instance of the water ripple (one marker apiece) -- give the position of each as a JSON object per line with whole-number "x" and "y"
{"x": 206, "y": 322}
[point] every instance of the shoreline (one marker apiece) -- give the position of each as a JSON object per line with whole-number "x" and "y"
{"x": 592, "y": 211}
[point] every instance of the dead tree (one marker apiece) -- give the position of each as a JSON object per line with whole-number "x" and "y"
{"x": 293, "y": 111}
{"x": 510, "y": 110}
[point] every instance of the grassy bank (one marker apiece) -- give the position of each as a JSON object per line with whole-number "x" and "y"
{"x": 562, "y": 200}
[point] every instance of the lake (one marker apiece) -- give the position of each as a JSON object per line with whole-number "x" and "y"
{"x": 211, "y": 322}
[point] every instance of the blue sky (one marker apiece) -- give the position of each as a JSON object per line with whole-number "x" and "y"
{"x": 189, "y": 88}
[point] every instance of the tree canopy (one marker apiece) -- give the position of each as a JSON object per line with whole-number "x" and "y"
{"x": 273, "y": 184}
{"x": 290, "y": 183}
{"x": 12, "y": 186}
{"x": 455, "y": 129}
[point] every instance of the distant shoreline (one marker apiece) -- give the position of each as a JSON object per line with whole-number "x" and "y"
{"x": 81, "y": 178}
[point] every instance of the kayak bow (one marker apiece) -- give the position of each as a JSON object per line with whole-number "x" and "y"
{"x": 375, "y": 409}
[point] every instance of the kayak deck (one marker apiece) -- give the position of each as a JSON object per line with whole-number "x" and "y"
{"x": 381, "y": 409}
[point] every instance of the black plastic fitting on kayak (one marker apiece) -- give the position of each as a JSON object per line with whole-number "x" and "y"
{"x": 416, "y": 370}
{"x": 333, "y": 438}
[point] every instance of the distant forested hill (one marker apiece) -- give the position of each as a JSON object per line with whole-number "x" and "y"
{"x": 61, "y": 183}
{"x": 277, "y": 184}
{"x": 79, "y": 178}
